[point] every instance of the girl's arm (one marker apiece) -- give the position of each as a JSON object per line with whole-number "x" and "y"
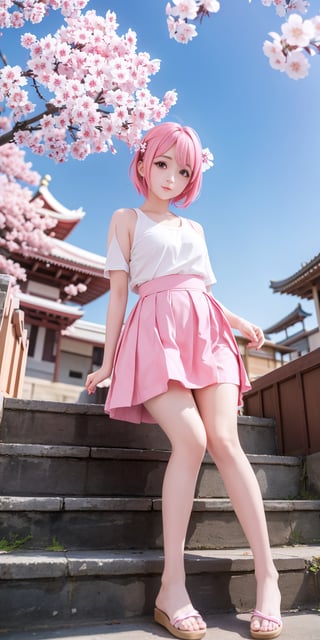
{"x": 115, "y": 316}
{"x": 250, "y": 331}
{"x": 122, "y": 226}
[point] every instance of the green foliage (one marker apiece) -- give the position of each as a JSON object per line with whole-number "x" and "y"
{"x": 55, "y": 545}
{"x": 14, "y": 543}
{"x": 314, "y": 564}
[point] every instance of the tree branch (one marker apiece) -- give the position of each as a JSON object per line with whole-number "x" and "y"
{"x": 8, "y": 136}
{"x": 3, "y": 58}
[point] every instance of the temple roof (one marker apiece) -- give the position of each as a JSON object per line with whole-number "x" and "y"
{"x": 297, "y": 315}
{"x": 65, "y": 265}
{"x": 300, "y": 283}
{"x": 49, "y": 313}
{"x": 66, "y": 219}
{"x": 86, "y": 332}
{"x": 82, "y": 259}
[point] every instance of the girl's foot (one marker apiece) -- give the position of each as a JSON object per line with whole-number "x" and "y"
{"x": 266, "y": 635}
{"x": 175, "y": 604}
{"x": 266, "y": 619}
{"x": 174, "y": 625}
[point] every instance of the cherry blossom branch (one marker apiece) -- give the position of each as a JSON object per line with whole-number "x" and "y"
{"x": 24, "y": 125}
{"x": 286, "y": 52}
{"x": 23, "y": 228}
{"x": 98, "y": 83}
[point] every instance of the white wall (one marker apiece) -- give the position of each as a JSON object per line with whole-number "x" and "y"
{"x": 73, "y": 362}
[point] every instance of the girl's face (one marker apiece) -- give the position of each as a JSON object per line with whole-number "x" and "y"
{"x": 167, "y": 178}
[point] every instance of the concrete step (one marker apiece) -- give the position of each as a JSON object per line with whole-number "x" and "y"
{"x": 135, "y": 523}
{"x": 224, "y": 626}
{"x": 58, "y": 423}
{"x": 49, "y": 590}
{"x": 29, "y": 469}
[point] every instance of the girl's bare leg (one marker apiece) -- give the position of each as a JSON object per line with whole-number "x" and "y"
{"x": 176, "y": 412}
{"x": 218, "y": 409}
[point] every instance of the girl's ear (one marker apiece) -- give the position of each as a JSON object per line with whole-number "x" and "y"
{"x": 140, "y": 168}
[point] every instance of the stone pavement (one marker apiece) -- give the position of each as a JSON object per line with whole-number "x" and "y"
{"x": 297, "y": 626}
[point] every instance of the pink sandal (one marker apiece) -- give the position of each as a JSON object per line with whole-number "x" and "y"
{"x": 266, "y": 635}
{"x": 171, "y": 625}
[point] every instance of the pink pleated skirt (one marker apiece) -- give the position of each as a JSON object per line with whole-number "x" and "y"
{"x": 176, "y": 331}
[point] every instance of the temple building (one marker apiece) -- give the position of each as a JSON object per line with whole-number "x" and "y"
{"x": 62, "y": 347}
{"x": 304, "y": 284}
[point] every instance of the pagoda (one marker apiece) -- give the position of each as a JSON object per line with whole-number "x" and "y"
{"x": 52, "y": 317}
{"x": 304, "y": 283}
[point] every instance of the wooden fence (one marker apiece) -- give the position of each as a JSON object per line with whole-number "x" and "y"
{"x": 290, "y": 395}
{"x": 13, "y": 342}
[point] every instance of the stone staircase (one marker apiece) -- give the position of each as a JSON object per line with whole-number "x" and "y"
{"x": 80, "y": 520}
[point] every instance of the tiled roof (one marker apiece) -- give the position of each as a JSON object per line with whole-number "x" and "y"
{"x": 300, "y": 283}
{"x": 86, "y": 332}
{"x": 297, "y": 315}
{"x": 68, "y": 255}
{"x": 59, "y": 308}
{"x": 66, "y": 219}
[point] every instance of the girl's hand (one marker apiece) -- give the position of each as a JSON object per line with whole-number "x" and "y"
{"x": 253, "y": 333}
{"x": 95, "y": 378}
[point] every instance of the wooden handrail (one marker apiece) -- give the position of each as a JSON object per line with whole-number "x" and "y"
{"x": 290, "y": 395}
{"x": 13, "y": 341}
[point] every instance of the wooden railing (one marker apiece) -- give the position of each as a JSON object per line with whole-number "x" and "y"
{"x": 290, "y": 395}
{"x": 13, "y": 342}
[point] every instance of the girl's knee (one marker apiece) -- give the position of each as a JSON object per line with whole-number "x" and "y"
{"x": 225, "y": 446}
{"x": 193, "y": 447}
{"x": 199, "y": 445}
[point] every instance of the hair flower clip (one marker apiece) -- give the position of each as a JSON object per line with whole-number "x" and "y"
{"x": 207, "y": 159}
{"x": 142, "y": 147}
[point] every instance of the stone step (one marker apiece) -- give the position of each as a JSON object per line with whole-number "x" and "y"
{"x": 47, "y": 590}
{"x": 75, "y": 523}
{"x": 297, "y": 624}
{"x": 29, "y": 469}
{"x": 36, "y": 421}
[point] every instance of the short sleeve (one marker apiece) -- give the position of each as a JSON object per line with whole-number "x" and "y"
{"x": 115, "y": 260}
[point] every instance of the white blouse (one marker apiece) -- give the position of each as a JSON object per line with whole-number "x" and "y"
{"x": 161, "y": 250}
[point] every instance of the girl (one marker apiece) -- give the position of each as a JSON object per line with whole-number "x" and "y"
{"x": 177, "y": 364}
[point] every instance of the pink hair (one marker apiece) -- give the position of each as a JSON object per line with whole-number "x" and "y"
{"x": 188, "y": 151}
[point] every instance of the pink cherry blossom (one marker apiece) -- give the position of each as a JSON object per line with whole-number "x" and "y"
{"x": 298, "y": 32}
{"x": 285, "y": 6}
{"x": 213, "y": 6}
{"x": 82, "y": 287}
{"x": 23, "y": 229}
{"x": 27, "y": 40}
{"x": 288, "y": 52}
{"x": 73, "y": 289}
{"x": 185, "y": 9}
{"x": 88, "y": 74}
{"x": 15, "y": 14}
{"x": 183, "y": 32}
{"x": 179, "y": 16}
{"x": 207, "y": 159}
{"x": 297, "y": 65}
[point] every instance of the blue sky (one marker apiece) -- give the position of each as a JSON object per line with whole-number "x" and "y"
{"x": 260, "y": 203}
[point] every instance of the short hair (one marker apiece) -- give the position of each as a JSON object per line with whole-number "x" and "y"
{"x": 188, "y": 151}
